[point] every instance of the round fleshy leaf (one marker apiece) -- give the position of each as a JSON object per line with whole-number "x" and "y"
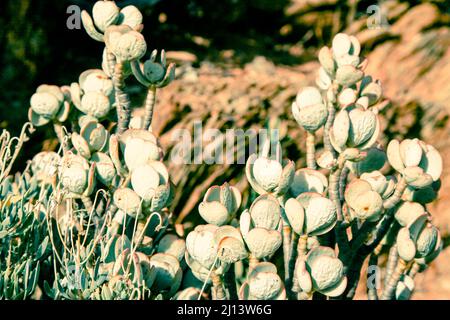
{"x": 347, "y": 96}
{"x": 125, "y": 43}
{"x": 154, "y": 72}
{"x": 80, "y": 145}
{"x": 308, "y": 96}
{"x": 74, "y": 179}
{"x": 295, "y": 215}
{"x": 410, "y": 152}
{"x": 267, "y": 173}
{"x": 265, "y": 286}
{"x": 45, "y": 104}
{"x": 320, "y": 216}
{"x": 326, "y": 272}
{"x": 348, "y": 75}
{"x": 405, "y": 246}
{"x": 105, "y": 13}
{"x": 36, "y": 119}
{"x": 308, "y": 180}
{"x": 362, "y": 126}
{"x": 426, "y": 241}
{"x": 337, "y": 289}
{"x": 96, "y": 104}
{"x": 201, "y": 245}
{"x": 311, "y": 117}
{"x": 145, "y": 187}
{"x": 214, "y": 213}
{"x": 377, "y": 181}
{"x": 355, "y": 189}
{"x": 368, "y": 206}
{"x": 138, "y": 152}
{"x": 127, "y": 200}
{"x": 432, "y": 162}
{"x": 408, "y": 212}
{"x": 131, "y": 16}
{"x": 262, "y": 242}
{"x": 393, "y": 155}
{"x": 303, "y": 276}
{"x": 104, "y": 167}
{"x": 95, "y": 80}
{"x": 326, "y": 60}
{"x": 340, "y": 130}
{"x": 416, "y": 177}
{"x": 265, "y": 212}
{"x": 341, "y": 44}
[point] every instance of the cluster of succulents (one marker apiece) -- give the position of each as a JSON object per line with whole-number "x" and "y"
{"x": 92, "y": 220}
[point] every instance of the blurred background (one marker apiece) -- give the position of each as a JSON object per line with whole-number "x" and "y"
{"x": 240, "y": 64}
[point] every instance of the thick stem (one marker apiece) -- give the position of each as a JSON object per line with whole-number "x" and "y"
{"x": 340, "y": 229}
{"x": 287, "y": 233}
{"x": 328, "y": 125}
{"x": 122, "y": 99}
{"x": 252, "y": 262}
{"x": 302, "y": 247}
{"x": 149, "y": 106}
{"x": 111, "y": 61}
{"x": 396, "y": 197}
{"x": 343, "y": 182}
{"x": 217, "y": 291}
{"x": 389, "y": 290}
{"x": 415, "y": 269}
{"x": 293, "y": 283}
{"x": 230, "y": 283}
{"x": 310, "y": 150}
{"x": 391, "y": 263}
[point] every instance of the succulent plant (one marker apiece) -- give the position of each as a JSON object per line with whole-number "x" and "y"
{"x": 95, "y": 214}
{"x": 107, "y": 13}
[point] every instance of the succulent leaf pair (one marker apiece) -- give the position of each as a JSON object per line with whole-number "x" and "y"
{"x": 419, "y": 163}
{"x": 93, "y": 94}
{"x": 209, "y": 247}
{"x": 107, "y": 13}
{"x": 220, "y": 204}
{"x": 260, "y": 226}
{"x": 354, "y": 127}
{"x": 321, "y": 271}
{"x": 310, "y": 214}
{"x": 154, "y": 73}
{"x": 49, "y": 103}
{"x": 263, "y": 283}
{"x": 76, "y": 175}
{"x": 269, "y": 174}
{"x": 309, "y": 109}
{"x": 418, "y": 238}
